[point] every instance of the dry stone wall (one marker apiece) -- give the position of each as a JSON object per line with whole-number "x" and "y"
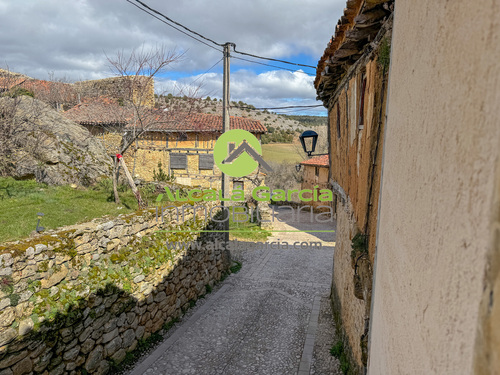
{"x": 75, "y": 300}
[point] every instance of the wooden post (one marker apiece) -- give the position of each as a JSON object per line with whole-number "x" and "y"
{"x": 140, "y": 202}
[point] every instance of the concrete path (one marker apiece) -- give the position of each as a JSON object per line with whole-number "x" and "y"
{"x": 262, "y": 320}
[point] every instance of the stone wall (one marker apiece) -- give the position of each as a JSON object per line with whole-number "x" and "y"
{"x": 75, "y": 300}
{"x": 140, "y": 89}
{"x": 311, "y": 179}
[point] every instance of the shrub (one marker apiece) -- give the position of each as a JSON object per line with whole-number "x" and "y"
{"x": 161, "y": 176}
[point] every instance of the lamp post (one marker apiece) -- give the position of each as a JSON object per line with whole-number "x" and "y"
{"x": 38, "y": 227}
{"x": 308, "y": 139}
{"x": 298, "y": 167}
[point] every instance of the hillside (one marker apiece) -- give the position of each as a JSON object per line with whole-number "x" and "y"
{"x": 241, "y": 109}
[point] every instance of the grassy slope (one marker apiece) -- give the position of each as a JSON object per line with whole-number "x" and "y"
{"x": 20, "y": 201}
{"x": 281, "y": 152}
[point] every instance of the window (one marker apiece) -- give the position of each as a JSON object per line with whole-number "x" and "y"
{"x": 316, "y": 171}
{"x": 182, "y": 137}
{"x": 206, "y": 162}
{"x": 178, "y": 161}
{"x": 238, "y": 185}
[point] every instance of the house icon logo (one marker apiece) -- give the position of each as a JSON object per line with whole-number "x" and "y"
{"x": 238, "y": 152}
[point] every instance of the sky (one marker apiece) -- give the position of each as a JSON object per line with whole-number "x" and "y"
{"x": 71, "y": 40}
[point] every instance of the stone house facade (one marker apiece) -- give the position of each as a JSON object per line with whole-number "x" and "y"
{"x": 182, "y": 142}
{"x": 352, "y": 83}
{"x": 316, "y": 175}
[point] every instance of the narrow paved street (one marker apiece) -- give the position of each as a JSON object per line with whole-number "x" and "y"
{"x": 264, "y": 319}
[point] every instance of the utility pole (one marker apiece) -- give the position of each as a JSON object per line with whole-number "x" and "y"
{"x": 225, "y": 128}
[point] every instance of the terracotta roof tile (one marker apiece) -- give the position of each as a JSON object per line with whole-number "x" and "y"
{"x": 99, "y": 111}
{"x": 203, "y": 122}
{"x": 320, "y": 161}
{"x": 107, "y": 111}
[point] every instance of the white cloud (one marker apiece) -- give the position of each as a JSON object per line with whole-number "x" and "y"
{"x": 71, "y": 38}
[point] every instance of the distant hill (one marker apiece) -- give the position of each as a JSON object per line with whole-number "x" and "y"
{"x": 240, "y": 109}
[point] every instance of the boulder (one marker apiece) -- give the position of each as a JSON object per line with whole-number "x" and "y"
{"x": 45, "y": 145}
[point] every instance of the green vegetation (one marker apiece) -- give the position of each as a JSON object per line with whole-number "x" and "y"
{"x": 384, "y": 56}
{"x": 278, "y": 136}
{"x": 20, "y": 201}
{"x": 308, "y": 121}
{"x": 161, "y": 175}
{"x": 19, "y": 91}
{"x": 282, "y": 152}
{"x": 236, "y": 267}
{"x": 338, "y": 352}
{"x": 359, "y": 245}
{"x": 247, "y": 230}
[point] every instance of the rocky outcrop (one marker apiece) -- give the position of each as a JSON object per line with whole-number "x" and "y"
{"x": 40, "y": 143}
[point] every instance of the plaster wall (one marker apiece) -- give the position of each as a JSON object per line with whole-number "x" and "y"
{"x": 441, "y": 155}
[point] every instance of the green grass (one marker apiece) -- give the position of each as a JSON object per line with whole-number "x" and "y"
{"x": 20, "y": 201}
{"x": 247, "y": 230}
{"x": 282, "y": 152}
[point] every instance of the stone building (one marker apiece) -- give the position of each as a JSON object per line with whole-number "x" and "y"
{"x": 352, "y": 83}
{"x": 436, "y": 294}
{"x": 139, "y": 89}
{"x": 315, "y": 176}
{"x": 182, "y": 142}
{"x": 415, "y": 162}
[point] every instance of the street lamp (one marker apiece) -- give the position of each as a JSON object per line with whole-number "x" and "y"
{"x": 297, "y": 167}
{"x": 38, "y": 227}
{"x": 308, "y": 140}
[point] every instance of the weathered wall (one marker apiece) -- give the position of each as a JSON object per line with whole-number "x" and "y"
{"x": 350, "y": 311}
{"x": 437, "y": 215}
{"x": 84, "y": 296}
{"x": 140, "y": 89}
{"x": 311, "y": 179}
{"x": 356, "y": 134}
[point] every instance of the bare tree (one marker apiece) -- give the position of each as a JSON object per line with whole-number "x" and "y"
{"x": 138, "y": 69}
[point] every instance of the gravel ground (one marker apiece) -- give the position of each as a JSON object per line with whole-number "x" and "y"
{"x": 271, "y": 318}
{"x": 323, "y": 362}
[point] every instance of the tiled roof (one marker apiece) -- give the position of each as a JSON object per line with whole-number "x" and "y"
{"x": 361, "y": 21}
{"x": 99, "y": 111}
{"x": 202, "y": 122}
{"x": 8, "y": 82}
{"x": 318, "y": 161}
{"x": 106, "y": 111}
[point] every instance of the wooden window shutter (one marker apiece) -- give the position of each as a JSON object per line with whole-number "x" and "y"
{"x": 206, "y": 161}
{"x": 178, "y": 161}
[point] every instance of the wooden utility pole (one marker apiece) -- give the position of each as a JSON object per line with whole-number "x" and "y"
{"x": 226, "y": 127}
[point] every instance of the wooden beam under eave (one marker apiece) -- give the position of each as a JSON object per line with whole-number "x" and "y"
{"x": 357, "y": 34}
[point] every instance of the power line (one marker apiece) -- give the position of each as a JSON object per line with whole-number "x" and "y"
{"x": 213, "y": 66}
{"x": 206, "y": 38}
{"x": 287, "y": 107}
{"x": 179, "y": 24}
{"x": 273, "y": 66}
{"x": 270, "y": 59}
{"x": 166, "y": 23}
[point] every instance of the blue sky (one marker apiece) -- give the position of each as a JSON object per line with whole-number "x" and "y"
{"x": 70, "y": 39}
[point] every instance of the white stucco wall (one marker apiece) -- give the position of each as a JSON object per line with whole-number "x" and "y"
{"x": 441, "y": 150}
